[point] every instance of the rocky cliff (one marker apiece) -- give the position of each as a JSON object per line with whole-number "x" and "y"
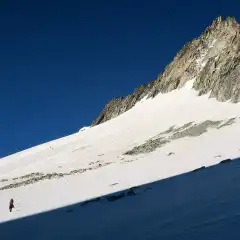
{"x": 212, "y": 62}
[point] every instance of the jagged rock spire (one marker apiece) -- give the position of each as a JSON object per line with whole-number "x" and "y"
{"x": 212, "y": 61}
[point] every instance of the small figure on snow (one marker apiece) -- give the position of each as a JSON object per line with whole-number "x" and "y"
{"x": 11, "y": 205}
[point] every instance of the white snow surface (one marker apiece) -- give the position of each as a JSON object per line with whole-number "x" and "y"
{"x": 106, "y": 144}
{"x": 83, "y": 129}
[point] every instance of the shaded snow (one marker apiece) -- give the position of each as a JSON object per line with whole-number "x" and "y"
{"x": 198, "y": 205}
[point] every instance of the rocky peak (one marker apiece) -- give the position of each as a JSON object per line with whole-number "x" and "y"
{"x": 211, "y": 62}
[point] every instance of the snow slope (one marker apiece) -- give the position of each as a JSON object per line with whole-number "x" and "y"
{"x": 198, "y": 205}
{"x": 97, "y": 154}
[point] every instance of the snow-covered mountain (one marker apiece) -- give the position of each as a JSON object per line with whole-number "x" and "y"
{"x": 212, "y": 61}
{"x": 187, "y": 119}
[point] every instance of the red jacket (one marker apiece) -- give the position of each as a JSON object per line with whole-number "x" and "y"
{"x": 11, "y": 203}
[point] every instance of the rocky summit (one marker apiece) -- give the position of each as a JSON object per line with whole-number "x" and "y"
{"x": 210, "y": 62}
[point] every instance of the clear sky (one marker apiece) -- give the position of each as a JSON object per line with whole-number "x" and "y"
{"x": 62, "y": 61}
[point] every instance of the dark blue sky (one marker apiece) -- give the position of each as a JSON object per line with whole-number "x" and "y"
{"x": 62, "y": 61}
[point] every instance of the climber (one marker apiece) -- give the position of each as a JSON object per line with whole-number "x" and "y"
{"x": 11, "y": 205}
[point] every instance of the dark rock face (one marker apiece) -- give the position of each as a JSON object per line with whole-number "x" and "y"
{"x": 226, "y": 161}
{"x": 199, "y": 169}
{"x": 120, "y": 105}
{"x": 211, "y": 62}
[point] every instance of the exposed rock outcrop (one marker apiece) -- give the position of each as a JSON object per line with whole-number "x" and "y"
{"x": 33, "y": 178}
{"x": 190, "y": 129}
{"x": 211, "y": 62}
{"x": 120, "y": 105}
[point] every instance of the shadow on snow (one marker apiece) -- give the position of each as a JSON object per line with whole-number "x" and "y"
{"x": 203, "y": 203}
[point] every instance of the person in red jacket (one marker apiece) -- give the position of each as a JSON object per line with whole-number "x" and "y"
{"x": 11, "y": 205}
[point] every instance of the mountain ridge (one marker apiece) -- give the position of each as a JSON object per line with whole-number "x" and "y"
{"x": 211, "y": 61}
